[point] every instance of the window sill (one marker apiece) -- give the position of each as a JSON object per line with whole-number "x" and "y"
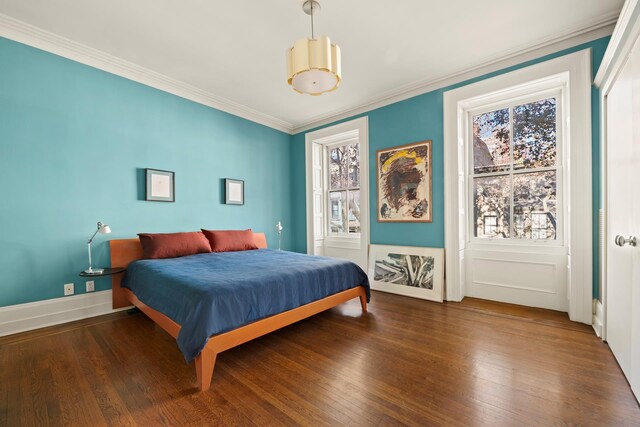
{"x": 342, "y": 242}
{"x": 517, "y": 247}
{"x": 516, "y": 242}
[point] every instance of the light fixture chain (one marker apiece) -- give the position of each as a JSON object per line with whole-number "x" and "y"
{"x": 312, "y": 33}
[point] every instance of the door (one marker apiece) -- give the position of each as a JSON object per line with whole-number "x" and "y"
{"x": 623, "y": 219}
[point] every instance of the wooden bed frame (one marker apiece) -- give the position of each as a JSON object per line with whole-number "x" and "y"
{"x": 125, "y": 251}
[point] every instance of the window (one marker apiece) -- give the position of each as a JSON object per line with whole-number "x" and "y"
{"x": 514, "y": 170}
{"x": 344, "y": 188}
{"x": 539, "y": 225}
{"x": 490, "y": 225}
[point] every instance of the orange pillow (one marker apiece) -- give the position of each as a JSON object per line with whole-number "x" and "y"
{"x": 173, "y": 245}
{"x": 230, "y": 240}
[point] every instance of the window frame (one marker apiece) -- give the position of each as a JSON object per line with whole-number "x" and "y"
{"x": 327, "y": 188}
{"x": 574, "y": 71}
{"x": 510, "y": 100}
{"x": 317, "y": 244}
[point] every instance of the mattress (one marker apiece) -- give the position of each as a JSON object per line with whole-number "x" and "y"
{"x": 212, "y": 293}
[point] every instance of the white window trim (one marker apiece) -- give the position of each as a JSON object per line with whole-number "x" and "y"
{"x": 327, "y": 136}
{"x": 554, "y": 86}
{"x": 577, "y": 66}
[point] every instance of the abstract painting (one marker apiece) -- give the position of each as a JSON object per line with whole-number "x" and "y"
{"x": 405, "y": 270}
{"x": 404, "y": 183}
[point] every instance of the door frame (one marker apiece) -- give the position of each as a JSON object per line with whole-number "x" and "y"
{"x": 328, "y": 135}
{"x": 624, "y": 36}
{"x": 576, "y": 68}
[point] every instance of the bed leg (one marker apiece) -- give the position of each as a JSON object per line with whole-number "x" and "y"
{"x": 363, "y": 301}
{"x": 205, "y": 362}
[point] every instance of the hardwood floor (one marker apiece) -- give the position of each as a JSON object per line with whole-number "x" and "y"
{"x": 407, "y": 361}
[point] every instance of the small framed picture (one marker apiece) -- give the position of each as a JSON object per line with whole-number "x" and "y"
{"x": 160, "y": 185}
{"x": 407, "y": 270}
{"x": 234, "y": 191}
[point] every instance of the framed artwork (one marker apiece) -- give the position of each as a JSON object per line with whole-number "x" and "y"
{"x": 160, "y": 186}
{"x": 407, "y": 270}
{"x": 234, "y": 191}
{"x": 404, "y": 183}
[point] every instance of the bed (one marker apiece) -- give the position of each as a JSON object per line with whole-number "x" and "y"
{"x": 204, "y": 303}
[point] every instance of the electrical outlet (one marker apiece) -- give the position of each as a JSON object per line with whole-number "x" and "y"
{"x": 90, "y": 286}
{"x": 68, "y": 289}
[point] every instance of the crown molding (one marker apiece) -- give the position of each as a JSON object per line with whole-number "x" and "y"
{"x": 624, "y": 36}
{"x": 599, "y": 28}
{"x": 28, "y": 34}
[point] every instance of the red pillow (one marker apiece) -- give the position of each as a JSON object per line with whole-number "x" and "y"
{"x": 230, "y": 240}
{"x": 172, "y": 245}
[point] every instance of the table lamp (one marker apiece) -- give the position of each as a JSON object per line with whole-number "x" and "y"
{"x": 102, "y": 229}
{"x": 279, "y": 230}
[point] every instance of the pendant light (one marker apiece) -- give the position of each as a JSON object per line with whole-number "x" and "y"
{"x": 313, "y": 64}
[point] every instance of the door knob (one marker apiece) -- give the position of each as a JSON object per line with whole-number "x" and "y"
{"x": 621, "y": 241}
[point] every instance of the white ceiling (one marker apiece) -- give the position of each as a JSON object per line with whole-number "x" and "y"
{"x": 236, "y": 49}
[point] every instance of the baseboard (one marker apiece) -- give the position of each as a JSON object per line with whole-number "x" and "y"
{"x": 598, "y": 315}
{"x": 35, "y": 315}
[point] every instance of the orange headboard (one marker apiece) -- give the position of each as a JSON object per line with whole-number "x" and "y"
{"x": 125, "y": 251}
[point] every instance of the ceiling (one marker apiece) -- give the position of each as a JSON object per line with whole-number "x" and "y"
{"x": 235, "y": 50}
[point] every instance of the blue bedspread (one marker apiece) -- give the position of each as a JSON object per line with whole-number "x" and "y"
{"x": 211, "y": 293}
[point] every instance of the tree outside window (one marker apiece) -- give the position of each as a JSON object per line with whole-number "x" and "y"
{"x": 514, "y": 174}
{"x": 344, "y": 189}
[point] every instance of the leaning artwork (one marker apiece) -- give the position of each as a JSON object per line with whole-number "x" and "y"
{"x": 407, "y": 270}
{"x": 404, "y": 183}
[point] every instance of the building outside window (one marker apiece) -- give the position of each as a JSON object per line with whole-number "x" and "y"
{"x": 490, "y": 225}
{"x": 539, "y": 225}
{"x": 515, "y": 170}
{"x": 344, "y": 189}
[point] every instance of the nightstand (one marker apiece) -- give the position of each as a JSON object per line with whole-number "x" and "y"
{"x": 106, "y": 272}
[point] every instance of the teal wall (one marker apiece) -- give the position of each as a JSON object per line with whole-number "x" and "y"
{"x": 420, "y": 118}
{"x": 73, "y": 140}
